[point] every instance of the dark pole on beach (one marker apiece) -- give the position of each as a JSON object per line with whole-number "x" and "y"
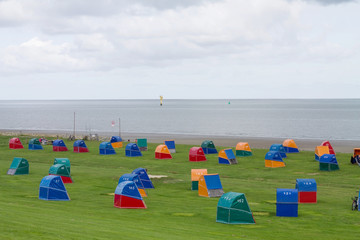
{"x": 119, "y": 128}
{"x": 74, "y": 126}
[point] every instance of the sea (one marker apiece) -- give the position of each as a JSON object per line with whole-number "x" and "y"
{"x": 337, "y": 119}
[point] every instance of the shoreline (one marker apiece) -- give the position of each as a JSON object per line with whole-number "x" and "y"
{"x": 343, "y": 146}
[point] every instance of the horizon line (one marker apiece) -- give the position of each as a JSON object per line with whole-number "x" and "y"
{"x": 227, "y": 99}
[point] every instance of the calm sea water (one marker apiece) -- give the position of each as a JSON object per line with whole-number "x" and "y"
{"x": 309, "y": 119}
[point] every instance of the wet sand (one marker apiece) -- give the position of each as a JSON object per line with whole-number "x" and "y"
{"x": 344, "y": 146}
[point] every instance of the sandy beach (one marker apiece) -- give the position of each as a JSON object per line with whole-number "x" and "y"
{"x": 344, "y": 146}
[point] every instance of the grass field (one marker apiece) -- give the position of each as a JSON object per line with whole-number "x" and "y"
{"x": 173, "y": 210}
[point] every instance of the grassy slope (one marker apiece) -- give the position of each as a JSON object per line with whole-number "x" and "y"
{"x": 174, "y": 211}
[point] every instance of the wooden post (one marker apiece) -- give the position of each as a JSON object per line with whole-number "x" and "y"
{"x": 74, "y": 126}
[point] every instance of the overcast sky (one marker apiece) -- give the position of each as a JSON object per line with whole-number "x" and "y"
{"x": 139, "y": 49}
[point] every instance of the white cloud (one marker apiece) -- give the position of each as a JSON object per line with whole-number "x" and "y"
{"x": 36, "y": 55}
{"x": 155, "y": 37}
{"x": 13, "y": 13}
{"x": 255, "y": 30}
{"x": 94, "y": 43}
{"x": 186, "y": 42}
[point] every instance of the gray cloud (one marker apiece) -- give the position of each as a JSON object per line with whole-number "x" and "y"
{"x": 22, "y": 12}
{"x": 166, "y": 4}
{"x": 169, "y": 45}
{"x": 329, "y": 2}
{"x": 64, "y": 37}
{"x": 111, "y": 7}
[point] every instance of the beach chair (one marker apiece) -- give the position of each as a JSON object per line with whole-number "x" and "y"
{"x": 355, "y": 158}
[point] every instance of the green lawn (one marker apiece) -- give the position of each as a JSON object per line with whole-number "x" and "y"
{"x": 173, "y": 210}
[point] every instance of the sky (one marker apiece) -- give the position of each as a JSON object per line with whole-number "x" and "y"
{"x": 185, "y": 49}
